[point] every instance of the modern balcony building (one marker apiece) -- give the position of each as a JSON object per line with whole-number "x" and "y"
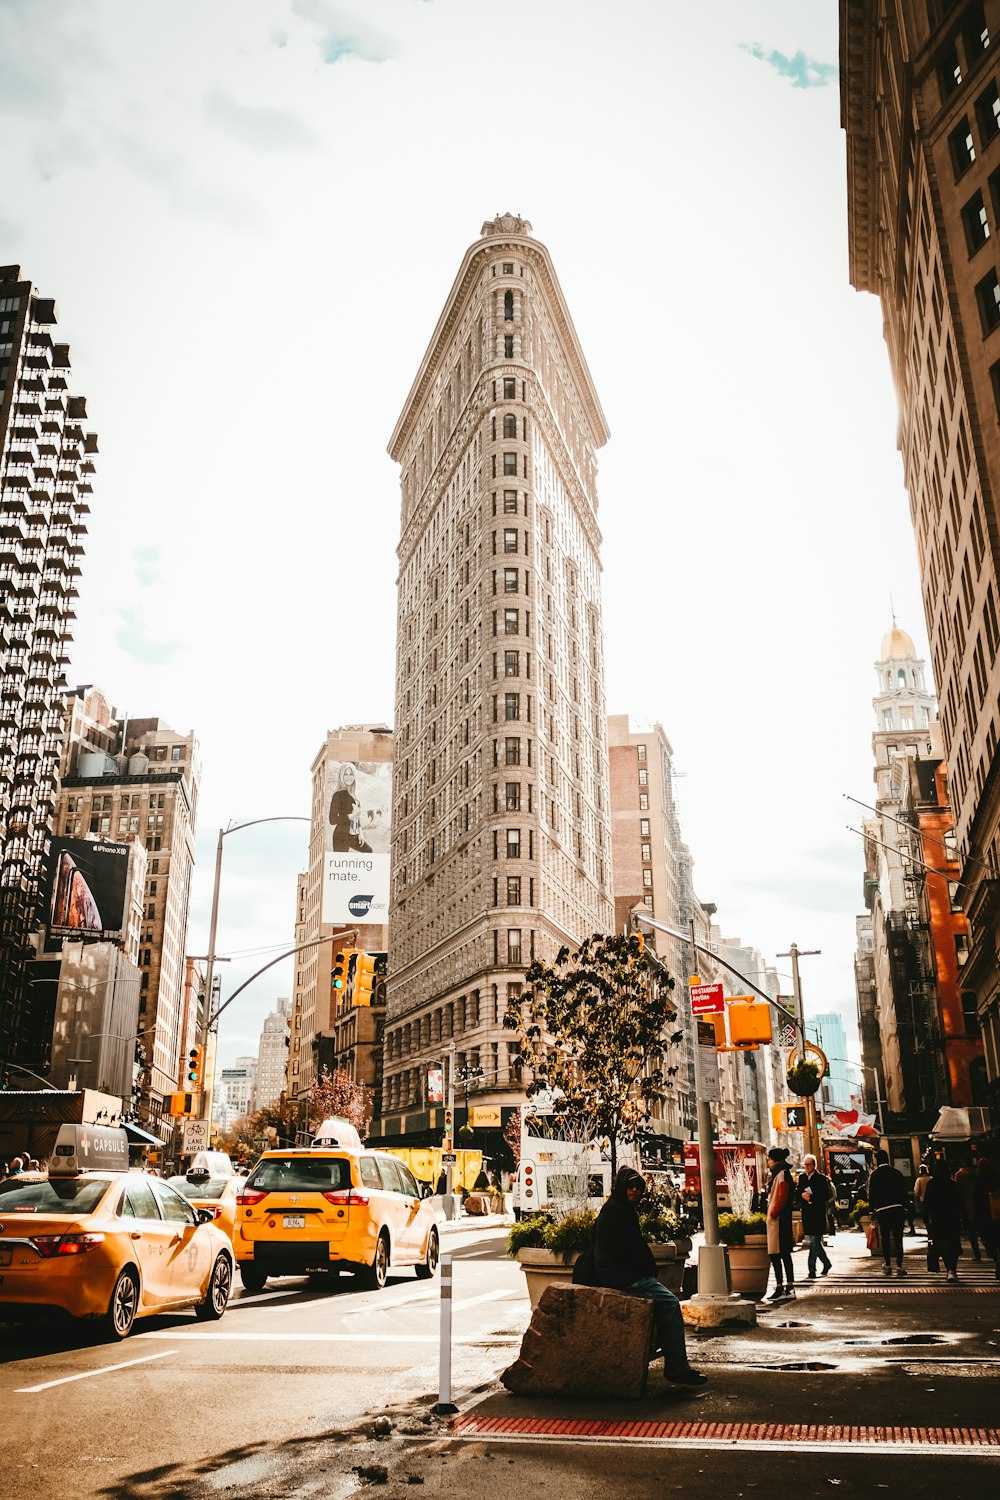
{"x": 46, "y": 468}
{"x": 920, "y": 103}
{"x": 501, "y": 835}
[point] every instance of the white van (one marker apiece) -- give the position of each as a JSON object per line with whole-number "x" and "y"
{"x": 549, "y": 1176}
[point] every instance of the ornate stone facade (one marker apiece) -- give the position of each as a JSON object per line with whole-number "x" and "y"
{"x": 501, "y": 834}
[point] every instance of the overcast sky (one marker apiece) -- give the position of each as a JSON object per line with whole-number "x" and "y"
{"x": 250, "y": 213}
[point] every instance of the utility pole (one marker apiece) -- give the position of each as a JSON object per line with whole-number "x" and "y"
{"x": 795, "y": 953}
{"x": 449, "y": 1063}
{"x": 713, "y": 1260}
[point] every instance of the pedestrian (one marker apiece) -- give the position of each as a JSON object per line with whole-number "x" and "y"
{"x": 943, "y": 1209}
{"x": 15, "y": 1166}
{"x": 920, "y": 1188}
{"x": 780, "y": 1203}
{"x": 814, "y": 1192}
{"x": 886, "y": 1197}
{"x": 965, "y": 1181}
{"x": 624, "y": 1262}
{"x": 986, "y": 1203}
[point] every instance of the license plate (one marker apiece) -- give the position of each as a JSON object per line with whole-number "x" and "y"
{"x": 294, "y": 1221}
{"x": 5, "y": 1257}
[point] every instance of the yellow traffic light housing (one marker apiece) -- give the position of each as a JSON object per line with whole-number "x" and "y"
{"x": 342, "y": 969}
{"x": 749, "y": 1023}
{"x": 194, "y": 1073}
{"x": 364, "y": 979}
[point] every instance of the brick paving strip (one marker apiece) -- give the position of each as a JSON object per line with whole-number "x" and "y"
{"x": 952, "y": 1288}
{"x": 761, "y": 1435}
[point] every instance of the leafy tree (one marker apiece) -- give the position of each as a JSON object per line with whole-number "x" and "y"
{"x": 593, "y": 1031}
{"x": 337, "y": 1093}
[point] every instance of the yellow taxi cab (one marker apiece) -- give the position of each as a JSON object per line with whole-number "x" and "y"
{"x": 211, "y": 1183}
{"x": 335, "y": 1205}
{"x": 94, "y": 1240}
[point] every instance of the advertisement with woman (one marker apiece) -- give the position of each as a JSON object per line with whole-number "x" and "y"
{"x": 358, "y": 806}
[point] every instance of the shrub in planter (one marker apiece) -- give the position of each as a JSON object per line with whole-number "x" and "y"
{"x": 804, "y": 1078}
{"x": 858, "y": 1212}
{"x": 734, "y": 1228}
{"x": 564, "y": 1237}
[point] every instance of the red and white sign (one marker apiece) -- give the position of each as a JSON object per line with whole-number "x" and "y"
{"x": 707, "y": 1000}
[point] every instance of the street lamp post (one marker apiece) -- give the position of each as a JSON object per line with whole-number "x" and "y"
{"x": 210, "y": 961}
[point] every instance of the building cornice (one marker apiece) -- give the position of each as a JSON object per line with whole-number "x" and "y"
{"x": 858, "y": 60}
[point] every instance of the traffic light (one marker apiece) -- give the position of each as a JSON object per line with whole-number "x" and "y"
{"x": 749, "y": 1022}
{"x": 449, "y": 1121}
{"x": 364, "y": 979}
{"x": 180, "y": 1104}
{"x": 194, "y": 1074}
{"x": 342, "y": 969}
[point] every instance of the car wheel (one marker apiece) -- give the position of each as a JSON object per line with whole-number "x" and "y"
{"x": 375, "y": 1275}
{"x": 216, "y": 1298}
{"x": 430, "y": 1265}
{"x": 123, "y": 1306}
{"x": 252, "y": 1279}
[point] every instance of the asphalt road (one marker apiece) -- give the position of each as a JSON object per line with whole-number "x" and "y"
{"x": 182, "y": 1399}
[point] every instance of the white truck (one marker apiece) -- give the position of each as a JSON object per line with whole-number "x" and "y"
{"x": 555, "y": 1173}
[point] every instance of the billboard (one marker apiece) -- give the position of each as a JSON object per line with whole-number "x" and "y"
{"x": 358, "y": 803}
{"x": 87, "y": 888}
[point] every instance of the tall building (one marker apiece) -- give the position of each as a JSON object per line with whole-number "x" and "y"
{"x": 652, "y": 866}
{"x": 921, "y": 108}
{"x": 272, "y": 1056}
{"x": 46, "y": 464}
{"x": 127, "y": 779}
{"x": 919, "y": 1033}
{"x": 827, "y": 1031}
{"x": 501, "y": 832}
{"x": 345, "y": 888}
{"x": 233, "y": 1094}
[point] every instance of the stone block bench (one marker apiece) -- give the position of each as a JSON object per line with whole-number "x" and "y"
{"x": 584, "y": 1341}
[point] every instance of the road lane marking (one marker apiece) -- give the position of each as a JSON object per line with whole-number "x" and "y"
{"x": 304, "y": 1338}
{"x": 28, "y": 1390}
{"x": 494, "y": 1296}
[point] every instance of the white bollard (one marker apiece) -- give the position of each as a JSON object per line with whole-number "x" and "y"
{"x": 445, "y": 1405}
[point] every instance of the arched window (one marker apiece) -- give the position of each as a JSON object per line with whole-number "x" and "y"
{"x": 887, "y": 719}
{"x": 901, "y": 677}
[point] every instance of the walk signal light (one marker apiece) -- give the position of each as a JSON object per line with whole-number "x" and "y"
{"x": 342, "y": 968}
{"x": 180, "y": 1104}
{"x": 789, "y": 1116}
{"x": 749, "y": 1022}
{"x": 194, "y": 1073}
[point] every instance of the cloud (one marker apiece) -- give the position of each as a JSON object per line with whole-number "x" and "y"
{"x": 262, "y": 129}
{"x": 132, "y": 638}
{"x": 804, "y": 72}
{"x": 146, "y": 559}
{"x": 344, "y": 35}
{"x": 279, "y": 36}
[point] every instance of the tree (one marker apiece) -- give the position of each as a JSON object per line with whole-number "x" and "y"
{"x": 337, "y": 1093}
{"x": 593, "y": 1032}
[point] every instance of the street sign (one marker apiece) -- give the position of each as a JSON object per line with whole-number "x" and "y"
{"x": 787, "y": 1032}
{"x": 707, "y": 1063}
{"x": 197, "y": 1136}
{"x": 707, "y": 999}
{"x": 448, "y": 1158}
{"x": 485, "y": 1116}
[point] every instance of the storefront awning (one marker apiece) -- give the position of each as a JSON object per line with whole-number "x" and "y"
{"x": 135, "y": 1133}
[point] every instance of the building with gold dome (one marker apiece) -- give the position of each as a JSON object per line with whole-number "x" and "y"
{"x": 918, "y": 1026}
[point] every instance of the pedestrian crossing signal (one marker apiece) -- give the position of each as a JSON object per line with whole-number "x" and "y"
{"x": 789, "y": 1116}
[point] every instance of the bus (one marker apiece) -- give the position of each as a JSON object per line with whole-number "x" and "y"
{"x": 751, "y": 1151}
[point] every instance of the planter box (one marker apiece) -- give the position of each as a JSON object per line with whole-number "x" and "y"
{"x": 542, "y": 1268}
{"x": 669, "y": 1266}
{"x": 749, "y": 1266}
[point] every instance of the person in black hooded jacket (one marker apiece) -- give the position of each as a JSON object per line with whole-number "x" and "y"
{"x": 624, "y": 1262}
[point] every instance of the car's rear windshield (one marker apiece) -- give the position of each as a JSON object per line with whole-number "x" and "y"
{"x": 199, "y": 1187}
{"x": 69, "y": 1195}
{"x": 292, "y": 1174}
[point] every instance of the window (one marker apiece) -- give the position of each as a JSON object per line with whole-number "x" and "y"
{"x": 510, "y": 539}
{"x": 139, "y": 1201}
{"x": 644, "y": 828}
{"x": 510, "y": 577}
{"x": 962, "y": 148}
{"x": 513, "y": 843}
{"x": 175, "y": 1209}
{"x": 988, "y": 113}
{"x": 512, "y": 752}
{"x": 513, "y": 890}
{"x": 508, "y": 268}
{"x": 647, "y": 877}
{"x": 513, "y": 945}
{"x": 949, "y": 70}
{"x": 646, "y": 856}
{"x": 509, "y": 390}
{"x": 643, "y": 801}
{"x": 512, "y": 796}
{"x": 508, "y": 305}
{"x": 641, "y": 752}
{"x": 977, "y": 226}
{"x": 510, "y": 426}
{"x": 511, "y": 618}
{"x": 510, "y": 463}
{"x": 508, "y": 347}
{"x": 177, "y": 752}
{"x": 511, "y": 663}
{"x": 512, "y": 705}
{"x": 510, "y": 502}
{"x": 988, "y": 297}
{"x": 643, "y": 776}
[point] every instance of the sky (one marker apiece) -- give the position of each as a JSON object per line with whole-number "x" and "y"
{"x": 250, "y": 213}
